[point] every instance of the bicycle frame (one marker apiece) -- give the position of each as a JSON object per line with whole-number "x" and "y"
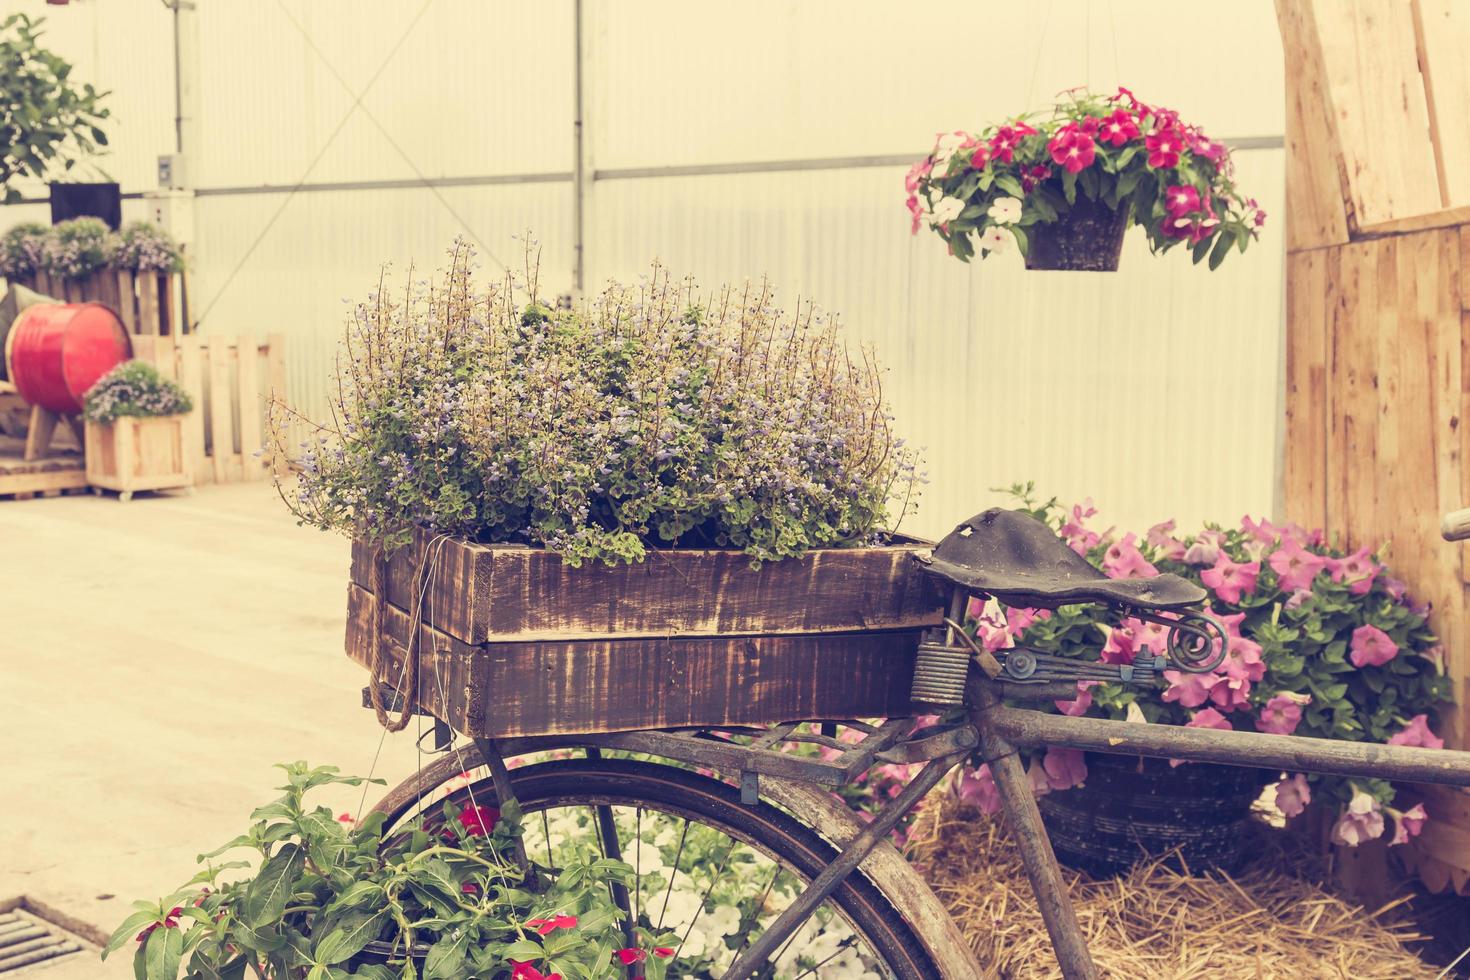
{"x": 999, "y": 731}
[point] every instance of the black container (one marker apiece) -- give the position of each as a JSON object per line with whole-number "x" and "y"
{"x": 1133, "y": 809}
{"x": 77, "y": 200}
{"x": 1087, "y": 237}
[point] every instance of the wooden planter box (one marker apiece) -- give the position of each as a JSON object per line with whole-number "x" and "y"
{"x": 514, "y": 642}
{"x": 138, "y": 454}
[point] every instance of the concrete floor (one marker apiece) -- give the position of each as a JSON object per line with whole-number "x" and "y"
{"x": 156, "y": 657}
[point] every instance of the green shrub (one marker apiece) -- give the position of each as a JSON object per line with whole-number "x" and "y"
{"x": 134, "y": 389}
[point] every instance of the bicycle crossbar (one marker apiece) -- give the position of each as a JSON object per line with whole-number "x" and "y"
{"x": 1033, "y": 729}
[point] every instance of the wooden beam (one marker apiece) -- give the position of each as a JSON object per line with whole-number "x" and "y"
{"x": 1315, "y": 187}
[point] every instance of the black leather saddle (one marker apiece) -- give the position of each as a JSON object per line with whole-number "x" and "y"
{"x": 1019, "y": 560}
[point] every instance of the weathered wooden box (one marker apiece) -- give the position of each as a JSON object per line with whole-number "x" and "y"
{"x": 133, "y": 454}
{"x": 515, "y": 642}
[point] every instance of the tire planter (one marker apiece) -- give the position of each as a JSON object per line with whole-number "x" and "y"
{"x": 1133, "y": 809}
{"x": 1087, "y": 237}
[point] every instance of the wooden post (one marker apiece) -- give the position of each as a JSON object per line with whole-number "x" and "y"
{"x": 126, "y": 301}
{"x": 251, "y": 447}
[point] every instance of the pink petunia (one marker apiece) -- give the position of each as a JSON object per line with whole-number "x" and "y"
{"x": 1079, "y": 705}
{"x": 1293, "y": 794}
{"x": 1209, "y": 718}
{"x": 1161, "y": 538}
{"x": 1357, "y": 570}
{"x": 1020, "y": 619}
{"x": 1371, "y": 646}
{"x": 1231, "y": 580}
{"x": 1188, "y": 689}
{"x": 1283, "y": 713}
{"x": 1120, "y": 647}
{"x": 1064, "y": 768}
{"x": 1361, "y": 820}
{"x": 1205, "y": 549}
{"x": 1296, "y": 568}
{"x": 1181, "y": 199}
{"x": 1408, "y": 823}
{"x": 1075, "y": 532}
{"x": 1417, "y": 732}
{"x": 1124, "y": 560}
{"x": 978, "y": 789}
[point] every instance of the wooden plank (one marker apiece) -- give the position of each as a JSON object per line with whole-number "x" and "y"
{"x": 35, "y": 482}
{"x": 148, "y": 304}
{"x": 482, "y": 592}
{"x": 221, "y": 425}
{"x": 563, "y": 687}
{"x": 251, "y": 447}
{"x": 191, "y": 379}
{"x": 1316, "y": 194}
{"x": 1307, "y": 319}
{"x": 1444, "y": 37}
{"x": 276, "y": 393}
{"x": 127, "y": 303}
{"x": 167, "y": 300}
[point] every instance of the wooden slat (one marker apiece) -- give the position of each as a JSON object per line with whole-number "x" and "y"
{"x": 512, "y": 689}
{"x": 191, "y": 379}
{"x": 1316, "y": 212}
{"x": 148, "y": 303}
{"x": 126, "y": 300}
{"x": 167, "y": 300}
{"x": 482, "y": 592}
{"x": 1444, "y": 38}
{"x": 1371, "y": 62}
{"x": 221, "y": 424}
{"x": 1308, "y": 312}
{"x": 250, "y": 408}
{"x": 275, "y": 372}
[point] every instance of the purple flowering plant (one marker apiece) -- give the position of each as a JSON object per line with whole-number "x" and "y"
{"x": 134, "y": 389}
{"x": 77, "y": 248}
{"x": 648, "y": 416}
{"x": 1323, "y": 643}
{"x": 20, "y": 250}
{"x": 144, "y": 247}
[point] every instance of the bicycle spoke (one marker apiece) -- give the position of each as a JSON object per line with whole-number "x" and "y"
{"x": 707, "y": 892}
{"x": 674, "y": 873}
{"x": 546, "y": 829}
{"x": 637, "y": 861}
{"x": 842, "y": 947}
{"x": 758, "y": 906}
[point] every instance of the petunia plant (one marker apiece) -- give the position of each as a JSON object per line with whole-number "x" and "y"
{"x": 329, "y": 897}
{"x": 1323, "y": 643}
{"x": 986, "y": 191}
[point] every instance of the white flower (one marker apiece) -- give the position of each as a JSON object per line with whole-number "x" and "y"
{"x": 680, "y": 908}
{"x": 694, "y": 944}
{"x": 946, "y": 210}
{"x": 995, "y": 241}
{"x": 945, "y": 148}
{"x": 723, "y": 921}
{"x": 1005, "y": 210}
{"x": 644, "y": 857}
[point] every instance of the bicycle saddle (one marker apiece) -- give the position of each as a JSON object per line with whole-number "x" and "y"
{"x": 1018, "y": 560}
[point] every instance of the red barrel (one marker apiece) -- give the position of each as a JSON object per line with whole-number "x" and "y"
{"x": 56, "y": 351}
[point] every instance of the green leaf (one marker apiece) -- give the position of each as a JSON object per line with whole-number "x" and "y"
{"x": 1022, "y": 241}
{"x": 164, "y": 948}
{"x": 1201, "y": 249}
{"x": 1221, "y": 249}
{"x": 350, "y": 935}
{"x": 130, "y": 927}
{"x": 448, "y": 958}
{"x": 265, "y": 898}
{"x": 1010, "y": 185}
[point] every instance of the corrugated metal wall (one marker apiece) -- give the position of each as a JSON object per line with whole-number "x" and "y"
{"x": 1155, "y": 390}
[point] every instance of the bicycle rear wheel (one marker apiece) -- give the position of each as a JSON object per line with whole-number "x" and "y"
{"x": 712, "y": 868}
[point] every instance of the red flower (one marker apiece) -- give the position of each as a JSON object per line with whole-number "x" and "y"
{"x": 629, "y": 956}
{"x": 1003, "y": 144}
{"x": 1090, "y": 125}
{"x": 1203, "y": 146}
{"x": 1032, "y": 176}
{"x": 170, "y": 921}
{"x": 469, "y": 888}
{"x": 1138, "y": 107}
{"x": 546, "y": 926}
{"x": 663, "y": 952}
{"x": 1163, "y": 148}
{"x": 525, "y": 971}
{"x": 1072, "y": 149}
{"x": 1118, "y": 128}
{"x": 479, "y": 821}
{"x": 1181, "y": 199}
{"x": 980, "y": 158}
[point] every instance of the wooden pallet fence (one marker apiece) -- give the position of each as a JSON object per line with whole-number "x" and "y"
{"x": 231, "y": 379}
{"x": 149, "y": 303}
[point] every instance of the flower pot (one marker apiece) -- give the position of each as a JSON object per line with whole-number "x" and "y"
{"x": 1087, "y": 237}
{"x": 1133, "y": 809}
{"x": 131, "y": 454}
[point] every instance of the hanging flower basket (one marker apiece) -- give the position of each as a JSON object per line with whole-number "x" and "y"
{"x": 1063, "y": 189}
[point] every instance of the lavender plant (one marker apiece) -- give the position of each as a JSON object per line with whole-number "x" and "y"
{"x": 77, "y": 248}
{"x": 20, "y": 250}
{"x": 649, "y": 416}
{"x": 134, "y": 389}
{"x": 143, "y": 247}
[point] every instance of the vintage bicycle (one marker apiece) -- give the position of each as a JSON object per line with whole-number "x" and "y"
{"x": 730, "y": 816}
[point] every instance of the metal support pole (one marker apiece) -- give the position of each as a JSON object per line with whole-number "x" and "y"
{"x": 580, "y": 171}
{"x": 612, "y": 848}
{"x": 1040, "y": 862}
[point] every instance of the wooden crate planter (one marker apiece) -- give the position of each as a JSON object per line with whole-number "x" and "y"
{"x": 134, "y": 454}
{"x": 512, "y": 641}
